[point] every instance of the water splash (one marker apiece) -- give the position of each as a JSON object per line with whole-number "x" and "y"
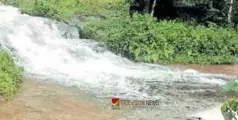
{"x": 38, "y": 46}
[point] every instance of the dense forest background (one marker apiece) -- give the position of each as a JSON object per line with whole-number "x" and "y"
{"x": 208, "y": 12}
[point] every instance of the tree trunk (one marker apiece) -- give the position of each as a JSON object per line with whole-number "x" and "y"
{"x": 230, "y": 11}
{"x": 153, "y": 8}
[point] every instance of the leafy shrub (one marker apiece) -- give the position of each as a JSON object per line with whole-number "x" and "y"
{"x": 143, "y": 39}
{"x": 10, "y": 75}
{"x": 229, "y": 109}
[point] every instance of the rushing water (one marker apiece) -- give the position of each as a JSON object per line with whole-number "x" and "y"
{"x": 38, "y": 46}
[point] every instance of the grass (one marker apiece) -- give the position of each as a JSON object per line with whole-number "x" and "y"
{"x": 10, "y": 75}
{"x": 64, "y": 9}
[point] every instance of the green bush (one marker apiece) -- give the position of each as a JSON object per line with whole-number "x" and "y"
{"x": 143, "y": 39}
{"x": 229, "y": 109}
{"x": 10, "y": 75}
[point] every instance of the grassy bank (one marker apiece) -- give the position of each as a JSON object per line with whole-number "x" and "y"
{"x": 64, "y": 9}
{"x": 10, "y": 75}
{"x": 142, "y": 38}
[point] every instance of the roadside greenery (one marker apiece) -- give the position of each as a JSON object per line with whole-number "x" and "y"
{"x": 143, "y": 39}
{"x": 10, "y": 75}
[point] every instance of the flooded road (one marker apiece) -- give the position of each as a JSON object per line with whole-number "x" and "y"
{"x": 44, "y": 101}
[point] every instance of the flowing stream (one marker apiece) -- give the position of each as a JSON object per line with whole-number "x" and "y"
{"x": 39, "y": 47}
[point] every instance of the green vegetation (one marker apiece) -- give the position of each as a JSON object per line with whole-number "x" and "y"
{"x": 10, "y": 75}
{"x": 142, "y": 38}
{"x": 230, "y": 109}
{"x": 65, "y": 9}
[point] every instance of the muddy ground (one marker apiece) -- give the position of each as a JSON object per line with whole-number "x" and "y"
{"x": 216, "y": 69}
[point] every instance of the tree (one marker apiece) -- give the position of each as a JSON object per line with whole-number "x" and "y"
{"x": 230, "y": 11}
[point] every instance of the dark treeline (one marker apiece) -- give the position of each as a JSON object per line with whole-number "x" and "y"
{"x": 220, "y": 12}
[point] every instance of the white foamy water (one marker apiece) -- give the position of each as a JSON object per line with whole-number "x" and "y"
{"x": 38, "y": 46}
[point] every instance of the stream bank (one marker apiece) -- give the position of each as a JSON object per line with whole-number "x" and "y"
{"x": 214, "y": 69}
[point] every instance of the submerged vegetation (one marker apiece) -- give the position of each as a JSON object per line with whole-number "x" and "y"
{"x": 230, "y": 88}
{"x": 10, "y": 75}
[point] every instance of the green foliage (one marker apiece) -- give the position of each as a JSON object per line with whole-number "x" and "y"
{"x": 65, "y": 9}
{"x": 230, "y": 109}
{"x": 215, "y": 11}
{"x": 143, "y": 39}
{"x": 10, "y": 75}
